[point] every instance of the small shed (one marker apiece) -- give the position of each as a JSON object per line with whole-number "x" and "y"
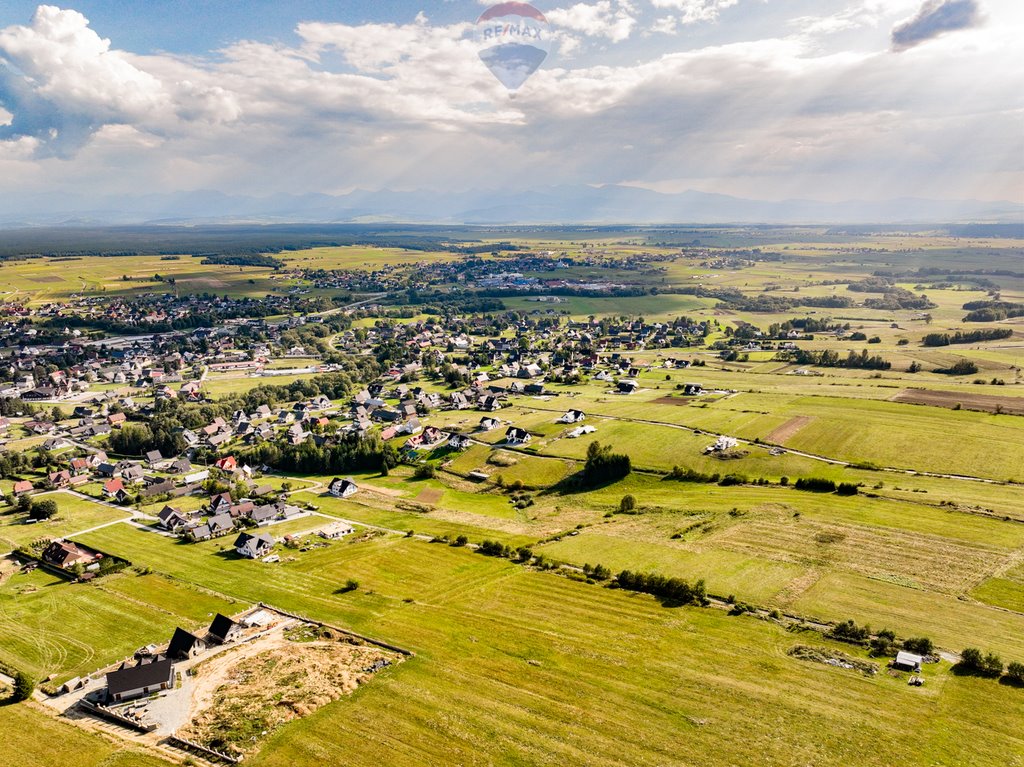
{"x": 907, "y": 661}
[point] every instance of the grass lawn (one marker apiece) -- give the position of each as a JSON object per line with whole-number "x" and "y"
{"x": 73, "y": 514}
{"x": 48, "y": 625}
{"x": 34, "y": 738}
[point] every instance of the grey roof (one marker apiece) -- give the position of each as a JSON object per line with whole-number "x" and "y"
{"x": 144, "y": 674}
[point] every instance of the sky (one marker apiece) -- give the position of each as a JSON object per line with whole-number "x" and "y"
{"x": 768, "y": 99}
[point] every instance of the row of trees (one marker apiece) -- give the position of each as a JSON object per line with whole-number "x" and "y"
{"x": 676, "y": 591}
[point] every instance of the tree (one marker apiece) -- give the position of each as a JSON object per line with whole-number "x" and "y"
{"x": 973, "y": 661}
{"x": 45, "y": 508}
{"x": 24, "y": 503}
{"x": 1015, "y": 672}
{"x": 24, "y": 686}
{"x": 919, "y": 645}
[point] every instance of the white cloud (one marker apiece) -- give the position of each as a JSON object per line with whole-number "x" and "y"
{"x": 411, "y": 105}
{"x": 600, "y": 19}
{"x": 696, "y": 11}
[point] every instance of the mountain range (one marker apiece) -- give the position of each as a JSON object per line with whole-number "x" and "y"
{"x": 548, "y": 205}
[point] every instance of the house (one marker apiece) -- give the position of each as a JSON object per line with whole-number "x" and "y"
{"x": 112, "y": 487}
{"x": 227, "y": 463}
{"x": 22, "y": 487}
{"x": 572, "y": 416}
{"x": 116, "y": 419}
{"x": 254, "y": 546}
{"x": 692, "y": 389}
{"x": 336, "y": 530}
{"x": 342, "y": 488}
{"x": 220, "y": 524}
{"x": 459, "y": 441}
{"x": 626, "y": 386}
{"x": 907, "y": 661}
{"x": 172, "y": 519}
{"x": 517, "y": 436}
{"x": 201, "y": 533}
{"x": 180, "y": 466}
{"x": 153, "y": 457}
{"x": 223, "y": 630}
{"x": 722, "y": 444}
{"x": 534, "y": 389}
{"x": 487, "y": 424}
{"x": 220, "y": 503}
{"x": 264, "y": 514}
{"x": 184, "y": 645}
{"x": 59, "y": 478}
{"x": 149, "y": 675}
{"x": 65, "y": 554}
{"x": 132, "y": 473}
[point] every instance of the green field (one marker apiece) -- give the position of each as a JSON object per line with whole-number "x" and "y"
{"x": 73, "y": 514}
{"x": 525, "y": 660}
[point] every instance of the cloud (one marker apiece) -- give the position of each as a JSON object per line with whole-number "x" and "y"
{"x": 62, "y": 83}
{"x": 600, "y": 19}
{"x": 936, "y": 17}
{"x": 410, "y": 105}
{"x": 696, "y": 11}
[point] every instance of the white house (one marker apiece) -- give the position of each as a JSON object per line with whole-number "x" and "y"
{"x": 342, "y": 488}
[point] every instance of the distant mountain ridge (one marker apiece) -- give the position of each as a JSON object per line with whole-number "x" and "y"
{"x": 546, "y": 205}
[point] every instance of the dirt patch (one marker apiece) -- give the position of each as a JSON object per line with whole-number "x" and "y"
{"x": 833, "y": 658}
{"x": 672, "y": 401}
{"x": 788, "y": 430}
{"x": 989, "y": 403}
{"x": 242, "y": 696}
{"x": 46, "y": 278}
{"x": 429, "y": 495}
{"x": 8, "y": 567}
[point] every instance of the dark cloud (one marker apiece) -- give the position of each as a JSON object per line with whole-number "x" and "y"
{"x": 936, "y": 17}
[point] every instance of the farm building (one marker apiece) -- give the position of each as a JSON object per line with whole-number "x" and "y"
{"x": 692, "y": 389}
{"x": 254, "y": 546}
{"x": 223, "y": 629}
{"x": 579, "y": 431}
{"x": 145, "y": 677}
{"x": 336, "y": 530}
{"x": 342, "y": 488}
{"x": 907, "y": 661}
{"x": 184, "y": 645}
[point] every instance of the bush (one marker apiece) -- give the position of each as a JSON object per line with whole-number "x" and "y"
{"x": 846, "y": 488}
{"x": 848, "y": 631}
{"x": 350, "y": 585}
{"x": 1015, "y": 672}
{"x": 627, "y": 504}
{"x": 815, "y": 485}
{"x": 884, "y": 643}
{"x": 425, "y": 471}
{"x": 919, "y": 645}
{"x": 24, "y": 686}
{"x": 972, "y": 661}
